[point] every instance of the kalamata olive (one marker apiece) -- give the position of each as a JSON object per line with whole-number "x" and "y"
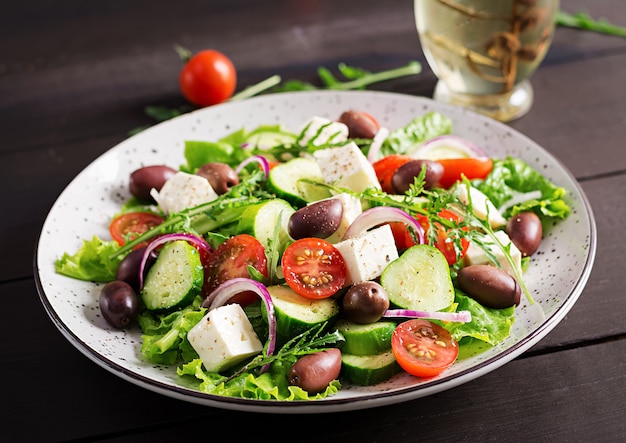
{"x": 365, "y": 302}
{"x": 142, "y": 180}
{"x": 119, "y": 304}
{"x": 320, "y": 219}
{"x": 405, "y": 174}
{"x": 525, "y": 231}
{"x": 314, "y": 372}
{"x": 221, "y": 176}
{"x": 490, "y": 286}
{"x": 128, "y": 269}
{"x": 360, "y": 124}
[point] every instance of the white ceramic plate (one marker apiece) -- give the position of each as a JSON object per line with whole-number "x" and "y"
{"x": 556, "y": 276}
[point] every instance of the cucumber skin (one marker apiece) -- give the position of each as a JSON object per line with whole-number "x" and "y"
{"x": 289, "y": 325}
{"x": 295, "y": 170}
{"x": 404, "y": 293}
{"x": 251, "y": 216}
{"x": 155, "y": 301}
{"x": 373, "y": 338}
{"x": 368, "y": 370}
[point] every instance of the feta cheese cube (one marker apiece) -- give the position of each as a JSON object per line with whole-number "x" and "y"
{"x": 224, "y": 337}
{"x": 347, "y": 167}
{"x": 320, "y": 131}
{"x": 476, "y": 255}
{"x": 368, "y": 255}
{"x": 480, "y": 203}
{"x": 183, "y": 191}
{"x": 352, "y": 208}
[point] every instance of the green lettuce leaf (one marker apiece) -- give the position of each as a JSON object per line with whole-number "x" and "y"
{"x": 270, "y": 385}
{"x": 91, "y": 262}
{"x": 164, "y": 339}
{"x": 226, "y": 150}
{"x": 512, "y": 178}
{"x": 407, "y": 139}
{"x": 488, "y": 325}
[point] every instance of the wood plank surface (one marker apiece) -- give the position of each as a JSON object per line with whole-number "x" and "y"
{"x": 75, "y": 78}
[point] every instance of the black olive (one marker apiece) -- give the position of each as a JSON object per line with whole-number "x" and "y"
{"x": 405, "y": 174}
{"x": 320, "y": 219}
{"x": 221, "y": 176}
{"x": 119, "y": 304}
{"x": 525, "y": 231}
{"x": 490, "y": 286}
{"x": 144, "y": 179}
{"x": 314, "y": 372}
{"x": 365, "y": 302}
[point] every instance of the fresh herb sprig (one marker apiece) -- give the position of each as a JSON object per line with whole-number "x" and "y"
{"x": 248, "y": 192}
{"x": 582, "y": 20}
{"x": 356, "y": 78}
{"x": 308, "y": 342}
{"x": 431, "y": 203}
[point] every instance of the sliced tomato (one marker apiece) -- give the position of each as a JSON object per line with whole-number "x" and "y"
{"x": 231, "y": 260}
{"x": 444, "y": 242}
{"x": 470, "y": 167}
{"x": 313, "y": 268}
{"x": 423, "y": 348}
{"x": 401, "y": 235}
{"x": 386, "y": 167}
{"x": 131, "y": 225}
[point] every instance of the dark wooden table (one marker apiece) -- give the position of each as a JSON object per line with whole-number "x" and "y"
{"x": 75, "y": 77}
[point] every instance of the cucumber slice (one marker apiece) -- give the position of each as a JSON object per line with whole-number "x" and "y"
{"x": 268, "y": 136}
{"x": 175, "y": 278}
{"x": 419, "y": 280}
{"x": 366, "y": 339}
{"x": 296, "y": 314}
{"x": 367, "y": 370}
{"x": 284, "y": 181}
{"x": 260, "y": 221}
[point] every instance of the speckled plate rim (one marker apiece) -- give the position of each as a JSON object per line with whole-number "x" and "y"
{"x": 79, "y": 323}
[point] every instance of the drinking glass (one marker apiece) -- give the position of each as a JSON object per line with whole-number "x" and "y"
{"x": 484, "y": 51}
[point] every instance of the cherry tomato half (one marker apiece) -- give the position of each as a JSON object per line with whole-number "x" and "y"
{"x": 208, "y": 78}
{"x": 231, "y": 260}
{"x": 313, "y": 268}
{"x": 470, "y": 167}
{"x": 386, "y": 167}
{"x": 423, "y": 348}
{"x": 132, "y": 224}
{"x": 445, "y": 243}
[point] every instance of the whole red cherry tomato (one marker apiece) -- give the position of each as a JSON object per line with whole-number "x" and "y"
{"x": 208, "y": 78}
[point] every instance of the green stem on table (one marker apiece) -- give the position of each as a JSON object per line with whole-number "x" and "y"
{"x": 257, "y": 88}
{"x": 582, "y": 20}
{"x": 412, "y": 68}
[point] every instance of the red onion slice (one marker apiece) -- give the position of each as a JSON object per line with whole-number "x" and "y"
{"x": 379, "y": 215}
{"x": 448, "y": 146}
{"x": 262, "y": 161}
{"x": 460, "y": 317}
{"x": 200, "y": 242}
{"x": 377, "y": 143}
{"x": 232, "y": 287}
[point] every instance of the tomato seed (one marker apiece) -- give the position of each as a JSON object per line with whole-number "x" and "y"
{"x": 440, "y": 343}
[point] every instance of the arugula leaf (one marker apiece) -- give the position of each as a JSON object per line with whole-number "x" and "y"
{"x": 582, "y": 20}
{"x": 357, "y": 78}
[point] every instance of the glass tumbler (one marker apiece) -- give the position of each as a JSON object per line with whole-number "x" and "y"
{"x": 484, "y": 51}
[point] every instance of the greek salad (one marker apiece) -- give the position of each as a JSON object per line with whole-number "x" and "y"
{"x": 281, "y": 264}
